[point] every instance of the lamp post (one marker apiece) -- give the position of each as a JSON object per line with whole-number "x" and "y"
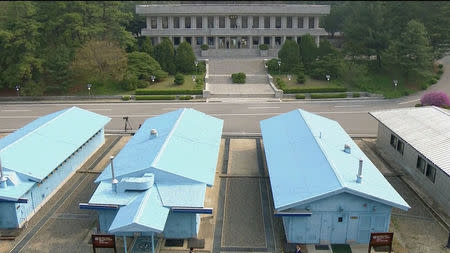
{"x": 289, "y": 77}
{"x": 395, "y": 84}
{"x": 328, "y": 77}
{"x": 279, "y": 66}
{"x": 17, "y": 89}
{"x": 193, "y": 78}
{"x": 196, "y": 64}
{"x": 153, "y": 79}
{"x": 89, "y": 88}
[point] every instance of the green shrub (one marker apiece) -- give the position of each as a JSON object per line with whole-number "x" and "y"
{"x": 179, "y": 79}
{"x": 263, "y": 47}
{"x": 142, "y": 84}
{"x": 155, "y": 97}
{"x": 185, "y": 97}
{"x": 199, "y": 82}
{"x": 201, "y": 67}
{"x": 300, "y": 96}
{"x": 204, "y": 47}
{"x": 440, "y": 66}
{"x": 433, "y": 80}
{"x": 280, "y": 83}
{"x": 418, "y": 105}
{"x": 168, "y": 92}
{"x": 310, "y": 90}
{"x": 126, "y": 97}
{"x": 238, "y": 77}
{"x": 424, "y": 86}
{"x": 300, "y": 78}
{"x": 440, "y": 72}
{"x": 356, "y": 95}
{"x": 406, "y": 92}
{"x": 335, "y": 95}
{"x": 272, "y": 65}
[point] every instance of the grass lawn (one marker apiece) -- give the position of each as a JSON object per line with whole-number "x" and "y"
{"x": 309, "y": 82}
{"x": 168, "y": 84}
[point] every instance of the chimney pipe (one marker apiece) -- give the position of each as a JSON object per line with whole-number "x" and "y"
{"x": 114, "y": 180}
{"x": 153, "y": 133}
{"x": 347, "y": 149}
{"x": 359, "y": 176}
{"x": 2, "y": 178}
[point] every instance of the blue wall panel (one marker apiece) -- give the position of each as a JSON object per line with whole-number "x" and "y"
{"x": 181, "y": 225}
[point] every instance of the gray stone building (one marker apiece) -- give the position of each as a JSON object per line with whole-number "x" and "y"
{"x": 237, "y": 28}
{"x": 418, "y": 141}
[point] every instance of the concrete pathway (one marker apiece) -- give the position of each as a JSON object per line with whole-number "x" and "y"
{"x": 221, "y": 85}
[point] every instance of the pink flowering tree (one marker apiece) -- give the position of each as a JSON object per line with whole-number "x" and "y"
{"x": 437, "y": 98}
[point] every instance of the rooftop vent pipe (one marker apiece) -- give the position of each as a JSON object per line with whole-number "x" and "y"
{"x": 359, "y": 176}
{"x": 153, "y": 133}
{"x": 114, "y": 180}
{"x": 2, "y": 178}
{"x": 347, "y": 149}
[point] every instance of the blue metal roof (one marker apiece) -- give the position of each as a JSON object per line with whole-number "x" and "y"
{"x": 38, "y": 148}
{"x": 183, "y": 158}
{"x": 306, "y": 162}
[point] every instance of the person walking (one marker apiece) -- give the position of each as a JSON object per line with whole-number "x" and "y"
{"x": 191, "y": 250}
{"x": 298, "y": 249}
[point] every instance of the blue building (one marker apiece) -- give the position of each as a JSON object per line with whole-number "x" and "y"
{"x": 39, "y": 157}
{"x": 160, "y": 177}
{"x": 324, "y": 187}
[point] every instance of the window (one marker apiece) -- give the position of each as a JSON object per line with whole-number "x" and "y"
{"x": 266, "y": 22}
{"x": 400, "y": 146}
{"x": 210, "y": 22}
{"x": 233, "y": 21}
{"x": 267, "y": 40}
{"x": 165, "y": 22}
{"x": 221, "y": 22}
{"x": 176, "y": 41}
{"x": 198, "y": 22}
{"x": 431, "y": 172}
{"x": 176, "y": 22}
{"x": 187, "y": 22}
{"x": 289, "y": 22}
{"x": 199, "y": 40}
{"x": 153, "y": 22}
{"x": 210, "y": 41}
{"x": 311, "y": 22}
{"x": 188, "y": 40}
{"x": 421, "y": 164}
{"x": 300, "y": 22}
{"x": 255, "y": 40}
{"x": 277, "y": 22}
{"x": 244, "y": 22}
{"x": 255, "y": 22}
{"x": 393, "y": 141}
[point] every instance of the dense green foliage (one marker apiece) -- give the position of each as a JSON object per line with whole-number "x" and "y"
{"x": 289, "y": 55}
{"x": 165, "y": 55}
{"x": 158, "y": 97}
{"x": 238, "y": 77}
{"x": 332, "y": 95}
{"x": 179, "y": 79}
{"x": 263, "y": 47}
{"x": 185, "y": 58}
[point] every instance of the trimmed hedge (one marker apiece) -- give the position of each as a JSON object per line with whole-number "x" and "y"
{"x": 311, "y": 90}
{"x": 335, "y": 95}
{"x": 169, "y": 92}
{"x": 126, "y": 97}
{"x": 263, "y": 47}
{"x": 184, "y": 98}
{"x": 155, "y": 97}
{"x": 238, "y": 77}
{"x": 204, "y": 47}
{"x": 300, "y": 96}
{"x": 356, "y": 95}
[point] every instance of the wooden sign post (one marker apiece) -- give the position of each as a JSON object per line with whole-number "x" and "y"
{"x": 104, "y": 241}
{"x": 381, "y": 239}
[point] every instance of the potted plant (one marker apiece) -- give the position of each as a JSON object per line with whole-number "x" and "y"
{"x": 204, "y": 50}
{"x": 263, "y": 49}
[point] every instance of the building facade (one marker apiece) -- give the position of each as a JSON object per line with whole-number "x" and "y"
{"x": 39, "y": 157}
{"x": 417, "y": 140}
{"x": 324, "y": 187}
{"x": 232, "y": 26}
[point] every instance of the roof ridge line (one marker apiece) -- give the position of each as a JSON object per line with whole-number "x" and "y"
{"x": 46, "y": 123}
{"x": 323, "y": 152}
{"x": 142, "y": 206}
{"x": 163, "y": 147}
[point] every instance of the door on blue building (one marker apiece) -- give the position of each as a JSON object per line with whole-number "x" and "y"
{"x": 339, "y": 228}
{"x": 370, "y": 224}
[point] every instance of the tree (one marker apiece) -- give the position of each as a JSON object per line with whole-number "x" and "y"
{"x": 289, "y": 55}
{"x": 164, "y": 54}
{"x": 185, "y": 58}
{"x": 334, "y": 21}
{"x": 411, "y": 52}
{"x": 143, "y": 66}
{"x": 99, "y": 61}
{"x": 146, "y": 46}
{"x": 308, "y": 50}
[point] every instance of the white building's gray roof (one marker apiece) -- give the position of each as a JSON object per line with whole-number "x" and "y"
{"x": 426, "y": 129}
{"x": 227, "y": 9}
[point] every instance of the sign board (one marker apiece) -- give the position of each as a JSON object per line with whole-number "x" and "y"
{"x": 104, "y": 241}
{"x": 381, "y": 239}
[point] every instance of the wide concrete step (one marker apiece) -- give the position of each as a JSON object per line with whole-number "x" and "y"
{"x": 226, "y": 79}
{"x": 241, "y": 95}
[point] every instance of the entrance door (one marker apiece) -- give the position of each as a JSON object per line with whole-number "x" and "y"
{"x": 339, "y": 228}
{"x": 370, "y": 224}
{"x": 325, "y": 229}
{"x": 233, "y": 43}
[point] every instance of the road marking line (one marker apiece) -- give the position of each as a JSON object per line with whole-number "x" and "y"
{"x": 263, "y": 107}
{"x": 407, "y": 102}
{"x": 348, "y": 106}
{"x": 16, "y": 110}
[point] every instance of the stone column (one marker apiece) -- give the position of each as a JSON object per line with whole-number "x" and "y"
{"x": 250, "y": 22}
{"x": 283, "y": 22}
{"x": 158, "y": 22}
{"x": 261, "y": 40}
{"x": 205, "y": 40}
{"x": 250, "y": 42}
{"x": 158, "y": 39}
{"x": 205, "y": 22}
{"x": 261, "y": 21}
{"x": 272, "y": 21}
{"x": 283, "y": 40}
{"x": 170, "y": 22}
{"x": 193, "y": 22}
{"x": 272, "y": 42}
{"x": 239, "y": 22}
{"x": 306, "y": 22}
{"x": 316, "y": 22}
{"x": 317, "y": 40}
{"x": 294, "y": 22}
{"x": 216, "y": 22}
{"x": 149, "y": 23}
{"x": 216, "y": 41}
{"x": 227, "y": 22}
{"x": 181, "y": 22}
